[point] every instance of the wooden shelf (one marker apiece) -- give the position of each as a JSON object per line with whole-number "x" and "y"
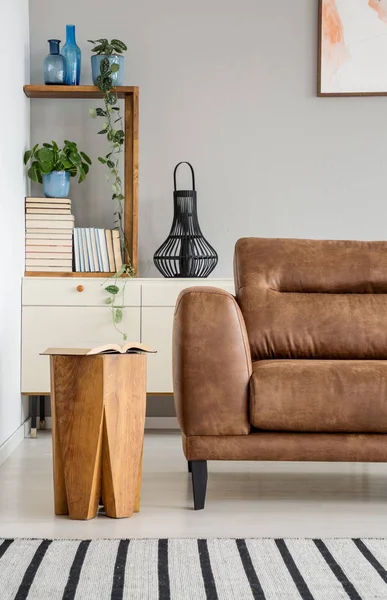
{"x": 73, "y": 91}
{"x": 130, "y": 94}
{"x": 53, "y": 274}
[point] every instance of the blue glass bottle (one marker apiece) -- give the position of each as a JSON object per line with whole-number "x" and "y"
{"x": 54, "y": 65}
{"x": 72, "y": 55}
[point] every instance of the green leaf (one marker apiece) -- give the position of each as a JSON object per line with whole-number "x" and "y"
{"x": 27, "y": 156}
{"x": 33, "y": 174}
{"x": 86, "y": 168}
{"x": 124, "y": 336}
{"x": 120, "y": 197}
{"x": 46, "y": 168}
{"x": 101, "y": 113}
{"x": 86, "y": 158}
{"x": 55, "y": 146}
{"x": 35, "y": 148}
{"x": 67, "y": 164}
{"x": 115, "y": 108}
{"x": 112, "y": 289}
{"x": 118, "y": 315}
{"x": 111, "y": 98}
{"x": 98, "y": 49}
{"x": 114, "y": 188}
{"x": 46, "y": 145}
{"x": 104, "y": 66}
{"x": 93, "y": 113}
{"x": 114, "y": 68}
{"x": 75, "y": 158}
{"x": 108, "y": 300}
{"x": 103, "y": 131}
{"x": 102, "y": 160}
{"x": 82, "y": 174}
{"x": 110, "y": 164}
{"x": 45, "y": 155}
{"x": 119, "y": 44}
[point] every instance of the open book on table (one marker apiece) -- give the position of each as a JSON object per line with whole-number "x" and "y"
{"x": 128, "y": 348}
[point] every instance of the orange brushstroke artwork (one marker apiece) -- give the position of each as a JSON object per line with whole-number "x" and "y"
{"x": 380, "y": 6}
{"x": 335, "y": 53}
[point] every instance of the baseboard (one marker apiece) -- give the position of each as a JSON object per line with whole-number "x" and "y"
{"x": 12, "y": 442}
{"x": 150, "y": 423}
{"x": 161, "y": 423}
{"x": 47, "y": 420}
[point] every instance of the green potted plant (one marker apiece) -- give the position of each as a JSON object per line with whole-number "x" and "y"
{"x": 113, "y": 52}
{"x": 53, "y": 166}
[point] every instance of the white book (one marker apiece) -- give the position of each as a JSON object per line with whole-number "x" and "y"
{"x": 47, "y": 243}
{"x": 50, "y": 217}
{"x": 44, "y": 200}
{"x": 77, "y": 264}
{"x": 50, "y": 269}
{"x": 94, "y": 249}
{"x": 49, "y": 262}
{"x": 81, "y": 259}
{"x": 45, "y": 211}
{"x": 99, "y": 252}
{"x": 105, "y": 258}
{"x": 59, "y": 234}
{"x": 49, "y": 249}
{"x": 65, "y": 256}
{"x": 63, "y": 225}
{"x": 84, "y": 250}
{"x": 48, "y": 207}
{"x": 117, "y": 249}
{"x": 90, "y": 250}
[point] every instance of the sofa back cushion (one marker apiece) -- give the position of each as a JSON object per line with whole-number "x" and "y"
{"x": 313, "y": 298}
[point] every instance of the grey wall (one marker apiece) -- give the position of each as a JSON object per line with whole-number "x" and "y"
{"x": 230, "y": 86}
{"x": 13, "y": 142}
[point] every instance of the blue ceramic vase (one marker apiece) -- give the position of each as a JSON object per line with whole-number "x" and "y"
{"x": 56, "y": 184}
{"x": 54, "y": 65}
{"x": 72, "y": 55}
{"x": 117, "y": 77}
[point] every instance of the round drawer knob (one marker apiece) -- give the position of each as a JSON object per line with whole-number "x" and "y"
{"x": 80, "y": 288}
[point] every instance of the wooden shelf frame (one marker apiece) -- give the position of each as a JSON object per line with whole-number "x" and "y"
{"x": 130, "y": 95}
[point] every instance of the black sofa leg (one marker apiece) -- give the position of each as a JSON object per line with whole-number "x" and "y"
{"x": 189, "y": 466}
{"x": 199, "y": 482}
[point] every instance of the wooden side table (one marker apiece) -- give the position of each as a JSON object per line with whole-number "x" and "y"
{"x": 98, "y": 418}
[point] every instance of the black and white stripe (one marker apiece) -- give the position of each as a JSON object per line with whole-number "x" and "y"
{"x": 189, "y": 569}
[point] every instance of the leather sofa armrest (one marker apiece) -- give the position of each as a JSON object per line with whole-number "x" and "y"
{"x": 211, "y": 363}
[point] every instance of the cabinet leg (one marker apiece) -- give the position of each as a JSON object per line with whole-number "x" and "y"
{"x": 189, "y": 466}
{"x": 199, "y": 482}
{"x": 34, "y": 411}
{"x": 42, "y": 412}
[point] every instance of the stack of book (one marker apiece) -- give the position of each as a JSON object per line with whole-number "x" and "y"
{"x": 97, "y": 250}
{"x": 49, "y": 235}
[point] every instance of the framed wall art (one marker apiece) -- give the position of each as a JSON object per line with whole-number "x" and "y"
{"x": 352, "y": 48}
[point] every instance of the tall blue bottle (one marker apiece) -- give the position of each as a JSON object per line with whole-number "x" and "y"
{"x": 72, "y": 55}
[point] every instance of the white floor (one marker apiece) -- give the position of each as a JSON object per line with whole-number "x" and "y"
{"x": 243, "y": 499}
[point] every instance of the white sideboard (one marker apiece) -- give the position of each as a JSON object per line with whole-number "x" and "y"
{"x": 56, "y": 314}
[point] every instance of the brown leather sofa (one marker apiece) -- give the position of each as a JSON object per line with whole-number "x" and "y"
{"x": 294, "y": 368}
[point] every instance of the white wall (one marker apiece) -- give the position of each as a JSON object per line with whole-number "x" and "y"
{"x": 14, "y": 137}
{"x": 230, "y": 86}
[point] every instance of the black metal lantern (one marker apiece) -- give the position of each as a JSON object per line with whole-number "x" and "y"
{"x": 185, "y": 252}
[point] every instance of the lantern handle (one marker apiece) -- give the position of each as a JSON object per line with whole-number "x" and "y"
{"x": 184, "y": 162}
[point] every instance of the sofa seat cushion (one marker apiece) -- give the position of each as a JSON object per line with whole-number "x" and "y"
{"x": 342, "y": 396}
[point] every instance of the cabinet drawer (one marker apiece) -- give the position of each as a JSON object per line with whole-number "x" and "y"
{"x": 72, "y": 327}
{"x": 157, "y": 325}
{"x": 166, "y": 291}
{"x": 38, "y": 291}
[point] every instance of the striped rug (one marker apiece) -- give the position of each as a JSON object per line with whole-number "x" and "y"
{"x": 183, "y": 569}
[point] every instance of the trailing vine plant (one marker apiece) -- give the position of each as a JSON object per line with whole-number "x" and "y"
{"x": 113, "y": 129}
